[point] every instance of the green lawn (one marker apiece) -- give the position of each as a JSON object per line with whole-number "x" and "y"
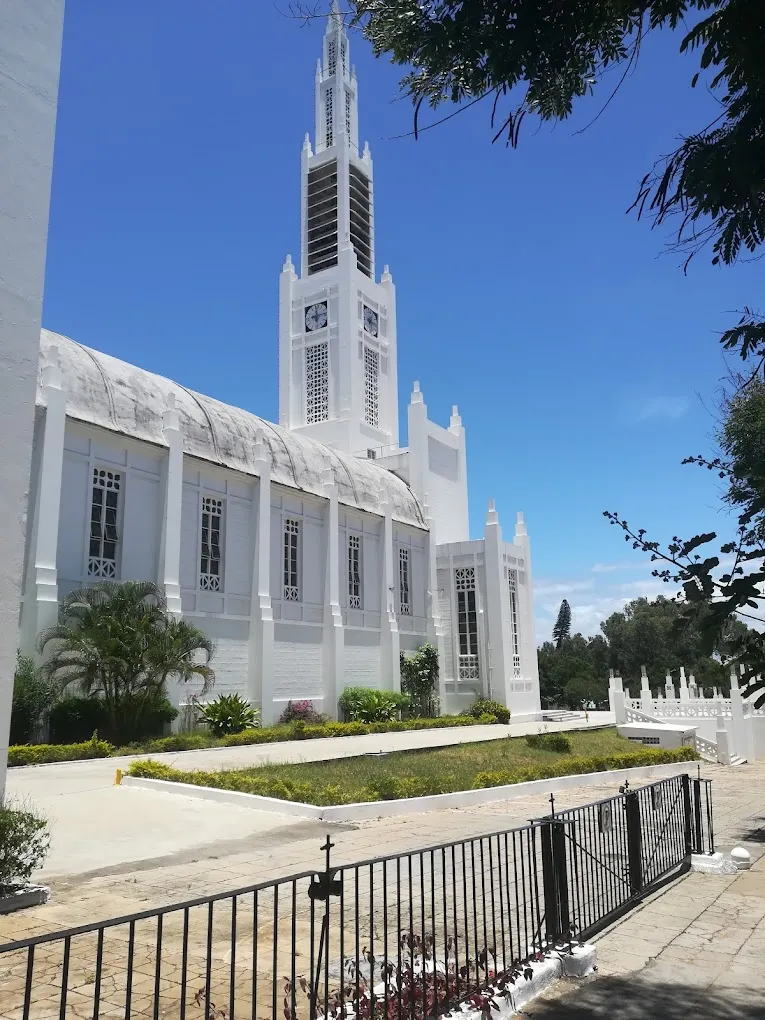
{"x": 456, "y": 765}
{"x": 422, "y": 772}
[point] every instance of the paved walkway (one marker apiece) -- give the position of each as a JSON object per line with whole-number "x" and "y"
{"x": 99, "y": 829}
{"x": 695, "y": 951}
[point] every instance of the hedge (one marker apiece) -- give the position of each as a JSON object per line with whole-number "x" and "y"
{"x": 582, "y": 766}
{"x": 38, "y": 754}
{"x": 399, "y": 788}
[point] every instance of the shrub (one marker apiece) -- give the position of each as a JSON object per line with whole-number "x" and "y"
{"x": 367, "y": 704}
{"x": 301, "y": 711}
{"x": 40, "y": 754}
{"x": 583, "y": 765}
{"x": 549, "y": 742}
{"x": 485, "y": 706}
{"x": 33, "y": 695}
{"x": 229, "y": 714}
{"x": 24, "y": 842}
{"x": 117, "y": 642}
{"x": 73, "y": 719}
{"x": 419, "y": 681}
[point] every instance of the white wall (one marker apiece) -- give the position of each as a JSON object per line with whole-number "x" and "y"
{"x": 30, "y": 48}
{"x": 303, "y": 629}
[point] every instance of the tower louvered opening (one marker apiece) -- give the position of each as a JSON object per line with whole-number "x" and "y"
{"x": 322, "y": 217}
{"x": 361, "y": 226}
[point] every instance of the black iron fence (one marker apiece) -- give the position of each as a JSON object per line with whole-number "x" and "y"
{"x": 402, "y": 936}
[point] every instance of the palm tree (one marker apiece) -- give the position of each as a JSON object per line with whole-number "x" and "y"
{"x": 116, "y": 641}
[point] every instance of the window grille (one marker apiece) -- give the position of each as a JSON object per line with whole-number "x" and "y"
{"x": 513, "y": 585}
{"x": 210, "y": 557}
{"x": 467, "y": 623}
{"x": 332, "y": 56}
{"x": 291, "y": 538}
{"x": 371, "y": 387}
{"x": 348, "y": 113}
{"x": 329, "y": 137}
{"x": 104, "y": 505}
{"x": 316, "y": 383}
{"x": 354, "y": 572}
{"x": 371, "y": 454}
{"x": 344, "y": 55}
{"x": 404, "y": 583}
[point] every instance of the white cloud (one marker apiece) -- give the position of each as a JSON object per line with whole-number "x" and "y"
{"x": 608, "y": 568}
{"x": 667, "y": 408}
{"x": 594, "y": 598}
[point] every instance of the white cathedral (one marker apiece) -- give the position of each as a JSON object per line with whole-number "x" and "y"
{"x": 312, "y": 552}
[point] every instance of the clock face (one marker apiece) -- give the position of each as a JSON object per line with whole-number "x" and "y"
{"x": 316, "y": 316}
{"x": 370, "y": 321}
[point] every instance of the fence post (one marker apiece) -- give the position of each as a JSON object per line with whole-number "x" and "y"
{"x": 555, "y": 881}
{"x": 698, "y": 841}
{"x": 685, "y": 779}
{"x": 634, "y": 841}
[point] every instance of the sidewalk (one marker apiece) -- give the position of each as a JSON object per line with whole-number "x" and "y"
{"x": 97, "y": 826}
{"x": 696, "y": 951}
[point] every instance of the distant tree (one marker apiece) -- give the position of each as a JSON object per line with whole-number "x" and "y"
{"x": 562, "y": 628}
{"x": 577, "y": 659}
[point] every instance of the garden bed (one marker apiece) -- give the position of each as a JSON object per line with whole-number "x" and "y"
{"x": 422, "y": 773}
{"x": 41, "y": 754}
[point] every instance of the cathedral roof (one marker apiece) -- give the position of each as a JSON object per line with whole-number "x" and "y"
{"x": 114, "y": 395}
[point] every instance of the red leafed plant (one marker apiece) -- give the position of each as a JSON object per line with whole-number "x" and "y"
{"x": 413, "y": 986}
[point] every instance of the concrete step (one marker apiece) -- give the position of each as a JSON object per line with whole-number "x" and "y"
{"x": 736, "y": 759}
{"x": 560, "y": 715}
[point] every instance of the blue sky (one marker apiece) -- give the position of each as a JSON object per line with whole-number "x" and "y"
{"x": 583, "y": 361}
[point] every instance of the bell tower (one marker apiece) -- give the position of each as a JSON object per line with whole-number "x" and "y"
{"x": 337, "y": 322}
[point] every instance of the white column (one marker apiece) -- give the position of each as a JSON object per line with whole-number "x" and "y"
{"x": 529, "y": 665}
{"x": 391, "y": 390}
{"x": 29, "y": 67}
{"x": 44, "y": 611}
{"x": 669, "y": 687}
{"x": 435, "y": 624}
{"x": 390, "y": 645}
{"x": 646, "y": 700}
{"x": 333, "y": 636}
{"x": 288, "y": 410}
{"x": 498, "y": 610}
{"x": 261, "y": 643}
{"x": 683, "y": 685}
{"x": 458, "y": 429}
{"x": 615, "y": 685}
{"x": 723, "y": 747}
{"x": 171, "y": 527}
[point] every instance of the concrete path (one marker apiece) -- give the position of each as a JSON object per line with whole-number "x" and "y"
{"x": 97, "y": 827}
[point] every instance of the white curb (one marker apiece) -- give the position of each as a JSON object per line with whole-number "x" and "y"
{"x": 412, "y": 805}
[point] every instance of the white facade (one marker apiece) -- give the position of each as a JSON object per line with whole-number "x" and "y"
{"x": 312, "y": 552}
{"x": 30, "y": 47}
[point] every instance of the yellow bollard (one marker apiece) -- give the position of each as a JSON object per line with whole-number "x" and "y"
{"x": 118, "y": 778}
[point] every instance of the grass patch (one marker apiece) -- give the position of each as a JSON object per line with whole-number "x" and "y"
{"x": 420, "y": 773}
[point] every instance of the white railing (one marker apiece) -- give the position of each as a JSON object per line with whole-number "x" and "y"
{"x": 706, "y": 748}
{"x": 695, "y": 708}
{"x": 635, "y": 715}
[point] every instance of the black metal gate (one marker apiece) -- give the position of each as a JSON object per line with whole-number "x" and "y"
{"x": 602, "y": 858}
